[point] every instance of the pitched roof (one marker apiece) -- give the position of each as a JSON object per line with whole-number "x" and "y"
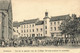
{"x": 4, "y": 4}
{"x": 62, "y": 17}
{"x": 16, "y": 24}
{"x": 29, "y": 21}
{"x": 46, "y": 17}
{"x": 40, "y": 23}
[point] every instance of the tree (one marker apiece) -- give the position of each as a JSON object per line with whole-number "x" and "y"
{"x": 70, "y": 27}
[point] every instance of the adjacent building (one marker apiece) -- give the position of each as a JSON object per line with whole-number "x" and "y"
{"x": 6, "y": 27}
{"x": 55, "y": 23}
{"x": 49, "y": 26}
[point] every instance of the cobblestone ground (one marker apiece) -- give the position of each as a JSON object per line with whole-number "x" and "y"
{"x": 55, "y": 46}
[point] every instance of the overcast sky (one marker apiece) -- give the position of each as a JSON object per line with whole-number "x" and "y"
{"x": 31, "y": 9}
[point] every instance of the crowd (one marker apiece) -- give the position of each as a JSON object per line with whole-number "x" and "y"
{"x": 37, "y": 42}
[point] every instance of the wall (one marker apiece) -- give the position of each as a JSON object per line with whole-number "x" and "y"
{"x": 0, "y": 25}
{"x": 39, "y": 33}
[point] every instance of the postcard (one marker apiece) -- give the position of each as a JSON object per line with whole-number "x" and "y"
{"x": 40, "y": 26}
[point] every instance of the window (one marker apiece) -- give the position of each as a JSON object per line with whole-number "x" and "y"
{"x": 45, "y": 22}
{"x": 55, "y": 28}
{"x": 33, "y": 30}
{"x": 41, "y": 34}
{"x": 51, "y": 23}
{"x": 24, "y": 26}
{"x": 27, "y": 35}
{"x": 58, "y": 28}
{"x": 17, "y": 31}
{"x": 30, "y": 25}
{"x": 24, "y": 31}
{"x": 37, "y": 35}
{"x": 41, "y": 29}
{"x": 27, "y": 26}
{"x": 52, "y": 34}
{"x": 54, "y": 23}
{"x": 30, "y": 30}
{"x": 27, "y": 30}
{"x": 45, "y": 27}
{"x": 45, "y": 32}
{"x": 33, "y": 25}
{"x": 30, "y": 35}
{"x": 21, "y": 31}
{"x": 51, "y": 28}
{"x": 37, "y": 29}
{"x": 58, "y": 22}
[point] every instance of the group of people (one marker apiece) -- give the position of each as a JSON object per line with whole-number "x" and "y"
{"x": 38, "y": 42}
{"x": 44, "y": 42}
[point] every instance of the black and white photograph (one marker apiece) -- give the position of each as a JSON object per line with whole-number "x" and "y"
{"x": 40, "y": 26}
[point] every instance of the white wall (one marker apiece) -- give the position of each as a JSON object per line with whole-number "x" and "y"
{"x": 48, "y": 24}
{"x": 39, "y": 32}
{"x": 48, "y": 27}
{"x": 28, "y": 27}
{"x": 56, "y": 24}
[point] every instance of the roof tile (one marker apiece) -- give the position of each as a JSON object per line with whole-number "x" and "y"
{"x": 62, "y": 17}
{"x": 40, "y": 23}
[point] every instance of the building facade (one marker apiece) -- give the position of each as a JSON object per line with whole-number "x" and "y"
{"x": 49, "y": 26}
{"x": 6, "y": 27}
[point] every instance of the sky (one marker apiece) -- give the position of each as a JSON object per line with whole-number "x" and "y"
{"x": 32, "y": 9}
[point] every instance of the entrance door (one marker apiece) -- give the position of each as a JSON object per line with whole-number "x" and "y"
{"x": 52, "y": 35}
{"x": 33, "y": 35}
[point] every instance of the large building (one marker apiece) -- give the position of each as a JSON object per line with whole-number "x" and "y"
{"x": 49, "y": 26}
{"x": 6, "y": 20}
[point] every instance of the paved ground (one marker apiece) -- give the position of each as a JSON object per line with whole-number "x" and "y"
{"x": 66, "y": 46}
{"x": 56, "y": 46}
